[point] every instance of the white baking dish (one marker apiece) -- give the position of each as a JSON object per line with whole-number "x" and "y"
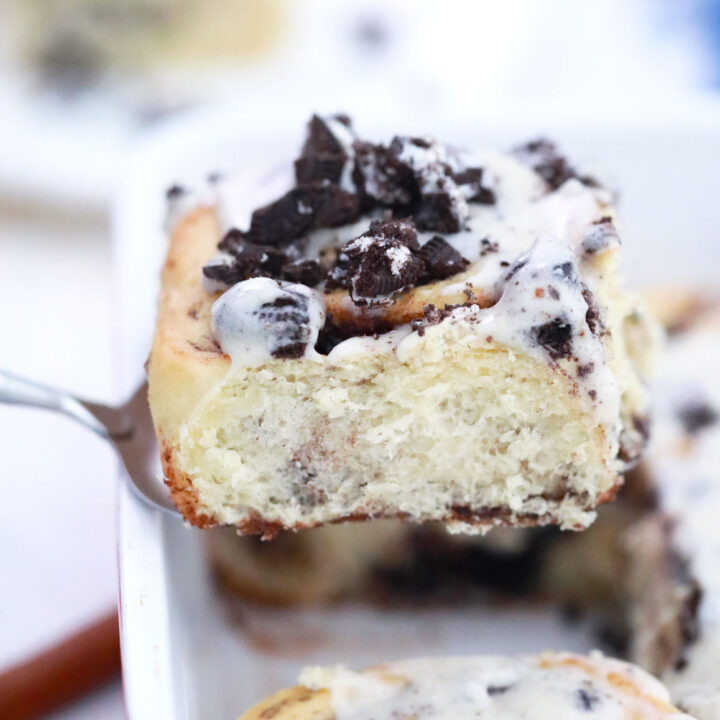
{"x": 185, "y": 654}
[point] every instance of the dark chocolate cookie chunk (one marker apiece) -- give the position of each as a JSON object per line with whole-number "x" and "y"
{"x": 331, "y": 206}
{"x": 304, "y": 208}
{"x": 546, "y": 160}
{"x": 555, "y": 337}
{"x": 599, "y": 236}
{"x": 475, "y": 191}
{"x": 593, "y": 316}
{"x": 288, "y": 316}
{"x": 437, "y": 212}
{"x": 246, "y": 260}
{"x": 306, "y": 272}
{"x": 282, "y": 221}
{"x": 380, "y": 264}
{"x": 323, "y": 156}
{"x": 696, "y": 416}
{"x": 441, "y": 259}
{"x": 381, "y": 178}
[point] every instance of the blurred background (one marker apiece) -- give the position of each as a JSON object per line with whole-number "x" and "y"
{"x": 82, "y": 81}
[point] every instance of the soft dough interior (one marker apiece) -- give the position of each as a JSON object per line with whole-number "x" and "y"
{"x": 473, "y": 434}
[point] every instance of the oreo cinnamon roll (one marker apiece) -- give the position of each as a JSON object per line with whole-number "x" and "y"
{"x": 410, "y": 330}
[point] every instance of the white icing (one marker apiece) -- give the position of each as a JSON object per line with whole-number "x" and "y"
{"x": 537, "y": 293}
{"x": 368, "y": 344}
{"x": 246, "y": 329}
{"x": 493, "y": 688}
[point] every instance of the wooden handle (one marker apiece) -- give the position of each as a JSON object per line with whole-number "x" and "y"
{"x": 71, "y": 669}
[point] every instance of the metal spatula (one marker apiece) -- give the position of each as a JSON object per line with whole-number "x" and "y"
{"x": 127, "y": 427}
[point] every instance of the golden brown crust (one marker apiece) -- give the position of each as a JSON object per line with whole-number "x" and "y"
{"x": 297, "y": 703}
{"x": 498, "y": 515}
{"x": 185, "y": 361}
{"x": 183, "y": 494}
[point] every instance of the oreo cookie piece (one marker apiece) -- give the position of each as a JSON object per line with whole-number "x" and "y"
{"x": 242, "y": 259}
{"x": 380, "y": 264}
{"x": 305, "y": 272}
{"x": 593, "y": 316}
{"x": 288, "y": 315}
{"x": 555, "y": 337}
{"x": 331, "y": 205}
{"x": 599, "y": 236}
{"x": 381, "y": 178}
{"x": 323, "y": 156}
{"x": 304, "y": 208}
{"x": 220, "y": 272}
{"x": 282, "y": 221}
{"x": 545, "y": 159}
{"x": 696, "y": 416}
{"x": 438, "y": 212}
{"x": 402, "y": 230}
{"x": 440, "y": 204}
{"x": 441, "y": 259}
{"x": 471, "y": 181}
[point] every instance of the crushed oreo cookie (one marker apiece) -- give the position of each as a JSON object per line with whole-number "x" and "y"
{"x": 250, "y": 259}
{"x": 473, "y": 178}
{"x": 544, "y": 158}
{"x": 433, "y": 315}
{"x": 587, "y": 698}
{"x": 488, "y": 246}
{"x": 696, "y": 416}
{"x": 323, "y": 156}
{"x": 415, "y": 185}
{"x": 387, "y": 260}
{"x": 317, "y": 204}
{"x": 380, "y": 264}
{"x": 440, "y": 205}
{"x": 174, "y": 192}
{"x": 291, "y": 312}
{"x": 306, "y": 272}
{"x": 555, "y": 337}
{"x": 599, "y": 236}
{"x": 441, "y": 259}
{"x": 240, "y": 259}
{"x": 381, "y": 179}
{"x": 593, "y": 317}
